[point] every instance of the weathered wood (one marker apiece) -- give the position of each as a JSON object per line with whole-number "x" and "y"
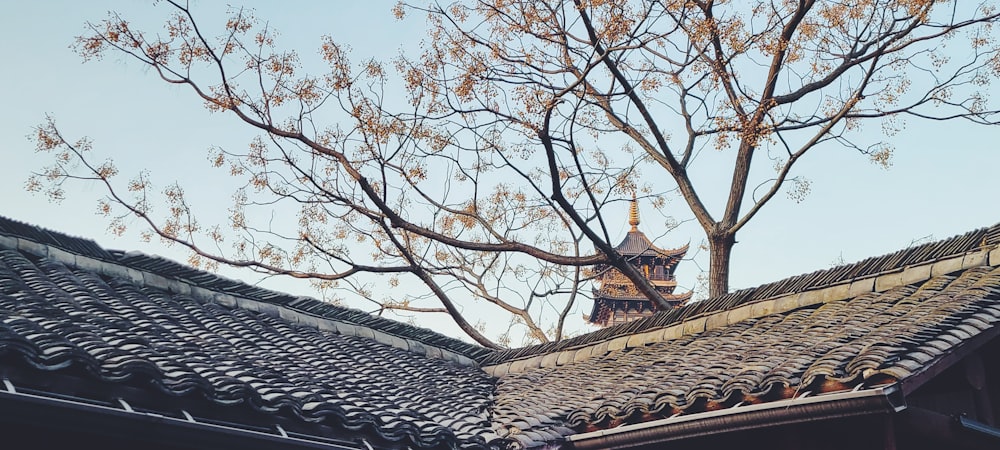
{"x": 975, "y": 375}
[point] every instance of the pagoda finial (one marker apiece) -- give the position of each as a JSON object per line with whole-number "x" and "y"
{"x": 633, "y": 214}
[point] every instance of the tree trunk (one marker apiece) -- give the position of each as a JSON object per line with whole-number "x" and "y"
{"x": 720, "y": 248}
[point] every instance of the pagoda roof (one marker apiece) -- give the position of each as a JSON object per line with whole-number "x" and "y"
{"x": 637, "y": 244}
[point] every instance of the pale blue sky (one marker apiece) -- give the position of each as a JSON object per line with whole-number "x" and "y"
{"x": 941, "y": 183}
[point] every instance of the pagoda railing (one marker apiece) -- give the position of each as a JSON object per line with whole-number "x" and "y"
{"x": 614, "y": 276}
{"x": 655, "y": 277}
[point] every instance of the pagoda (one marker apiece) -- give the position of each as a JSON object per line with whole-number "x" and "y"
{"x": 616, "y": 299}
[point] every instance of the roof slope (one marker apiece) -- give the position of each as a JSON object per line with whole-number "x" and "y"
{"x": 877, "y": 266}
{"x": 68, "y": 307}
{"x": 98, "y": 317}
{"x": 856, "y": 333}
{"x": 171, "y": 275}
{"x": 863, "y": 342}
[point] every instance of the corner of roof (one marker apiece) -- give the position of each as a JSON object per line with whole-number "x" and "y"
{"x": 876, "y": 274}
{"x": 174, "y": 277}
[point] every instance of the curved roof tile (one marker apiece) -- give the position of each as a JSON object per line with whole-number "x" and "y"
{"x": 815, "y": 348}
{"x": 55, "y": 317}
{"x": 113, "y": 326}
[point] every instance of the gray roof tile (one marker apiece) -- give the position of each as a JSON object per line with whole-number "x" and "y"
{"x": 55, "y": 317}
{"x": 130, "y": 318}
{"x": 898, "y": 332}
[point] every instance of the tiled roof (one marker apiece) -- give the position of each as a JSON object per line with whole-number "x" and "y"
{"x": 878, "y": 266}
{"x": 637, "y": 244}
{"x": 44, "y": 237}
{"x": 899, "y": 315}
{"x": 862, "y": 342}
{"x": 154, "y": 270}
{"x": 241, "y": 348}
{"x": 69, "y": 307}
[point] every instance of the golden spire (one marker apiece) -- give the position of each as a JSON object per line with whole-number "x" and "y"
{"x": 633, "y": 214}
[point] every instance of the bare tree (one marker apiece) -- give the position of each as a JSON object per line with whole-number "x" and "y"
{"x": 762, "y": 79}
{"x": 521, "y": 122}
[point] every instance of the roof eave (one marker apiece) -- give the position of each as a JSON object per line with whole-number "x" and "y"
{"x": 19, "y": 407}
{"x": 956, "y": 354}
{"x": 881, "y": 400}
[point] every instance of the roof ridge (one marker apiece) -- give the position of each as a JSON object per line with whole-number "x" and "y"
{"x": 637, "y": 243}
{"x": 876, "y": 273}
{"x": 164, "y": 273}
{"x": 42, "y": 236}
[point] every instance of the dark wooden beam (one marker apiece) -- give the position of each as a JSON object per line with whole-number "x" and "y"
{"x": 975, "y": 375}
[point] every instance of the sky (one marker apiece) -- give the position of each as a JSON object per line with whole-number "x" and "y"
{"x": 941, "y": 182}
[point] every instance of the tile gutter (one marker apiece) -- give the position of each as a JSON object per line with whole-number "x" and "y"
{"x": 783, "y": 412}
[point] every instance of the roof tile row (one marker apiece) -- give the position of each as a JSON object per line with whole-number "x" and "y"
{"x": 54, "y": 317}
{"x": 865, "y": 341}
{"x": 970, "y": 242}
{"x": 815, "y": 333}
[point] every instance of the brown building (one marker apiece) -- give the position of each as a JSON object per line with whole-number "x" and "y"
{"x": 616, "y": 299}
